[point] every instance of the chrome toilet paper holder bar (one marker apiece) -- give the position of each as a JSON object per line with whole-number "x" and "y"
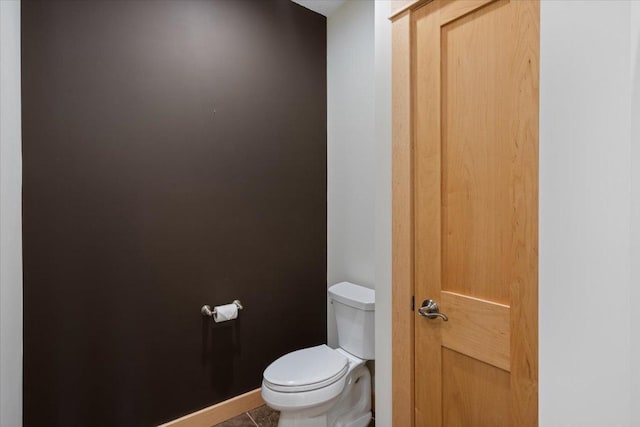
{"x": 206, "y": 309}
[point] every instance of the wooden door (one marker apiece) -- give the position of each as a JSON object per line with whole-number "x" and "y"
{"x": 475, "y": 123}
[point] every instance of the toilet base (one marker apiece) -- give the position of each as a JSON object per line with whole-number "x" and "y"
{"x": 363, "y": 421}
{"x": 352, "y": 408}
{"x": 287, "y": 420}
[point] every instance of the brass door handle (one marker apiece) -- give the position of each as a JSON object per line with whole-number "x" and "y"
{"x": 430, "y": 310}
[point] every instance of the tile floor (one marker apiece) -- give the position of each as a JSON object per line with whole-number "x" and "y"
{"x": 259, "y": 417}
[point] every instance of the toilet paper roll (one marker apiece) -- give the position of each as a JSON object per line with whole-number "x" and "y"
{"x": 222, "y": 313}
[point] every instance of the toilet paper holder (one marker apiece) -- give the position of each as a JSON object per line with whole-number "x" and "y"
{"x": 206, "y": 309}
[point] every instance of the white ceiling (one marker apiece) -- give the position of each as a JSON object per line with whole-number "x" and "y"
{"x": 323, "y": 7}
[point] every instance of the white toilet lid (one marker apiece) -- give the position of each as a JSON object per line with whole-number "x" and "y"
{"x": 307, "y": 369}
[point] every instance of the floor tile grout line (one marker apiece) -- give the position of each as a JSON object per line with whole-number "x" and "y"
{"x": 254, "y": 421}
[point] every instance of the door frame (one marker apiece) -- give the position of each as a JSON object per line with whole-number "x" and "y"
{"x": 403, "y": 222}
{"x": 402, "y": 248}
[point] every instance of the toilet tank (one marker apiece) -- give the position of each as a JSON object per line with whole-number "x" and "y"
{"x": 354, "y": 308}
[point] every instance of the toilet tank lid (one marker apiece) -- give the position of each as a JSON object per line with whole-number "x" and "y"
{"x": 353, "y": 295}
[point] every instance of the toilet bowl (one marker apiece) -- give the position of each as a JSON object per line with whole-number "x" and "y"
{"x": 325, "y": 387}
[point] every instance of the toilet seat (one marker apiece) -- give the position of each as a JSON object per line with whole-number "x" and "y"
{"x": 308, "y": 369}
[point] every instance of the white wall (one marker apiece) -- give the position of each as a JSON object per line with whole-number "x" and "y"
{"x": 359, "y": 168}
{"x": 584, "y": 214}
{"x": 10, "y": 217}
{"x": 635, "y": 210}
{"x": 383, "y": 211}
{"x": 351, "y": 178}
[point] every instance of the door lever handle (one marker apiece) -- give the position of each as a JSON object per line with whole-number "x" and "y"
{"x": 430, "y": 310}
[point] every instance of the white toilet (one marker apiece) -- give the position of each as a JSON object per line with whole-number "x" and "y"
{"x": 324, "y": 387}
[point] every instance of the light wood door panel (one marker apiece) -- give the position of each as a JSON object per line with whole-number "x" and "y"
{"x": 477, "y": 154}
{"x": 475, "y": 195}
{"x": 481, "y": 329}
{"x": 477, "y": 394}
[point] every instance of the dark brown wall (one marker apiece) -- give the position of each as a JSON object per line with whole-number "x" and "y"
{"x": 174, "y": 155}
